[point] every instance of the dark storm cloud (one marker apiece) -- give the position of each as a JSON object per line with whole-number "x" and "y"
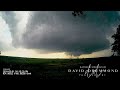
{"x": 62, "y": 32}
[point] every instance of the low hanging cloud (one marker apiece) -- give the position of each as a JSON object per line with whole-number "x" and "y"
{"x": 9, "y": 18}
{"x": 62, "y": 32}
{"x": 5, "y": 36}
{"x": 16, "y": 22}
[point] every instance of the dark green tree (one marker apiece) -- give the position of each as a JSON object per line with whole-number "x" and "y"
{"x": 77, "y": 13}
{"x": 116, "y": 44}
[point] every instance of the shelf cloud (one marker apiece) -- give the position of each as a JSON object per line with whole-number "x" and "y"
{"x": 60, "y": 31}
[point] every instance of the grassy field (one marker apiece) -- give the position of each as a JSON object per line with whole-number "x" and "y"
{"x": 47, "y": 69}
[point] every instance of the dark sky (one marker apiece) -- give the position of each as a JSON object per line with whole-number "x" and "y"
{"x": 60, "y": 31}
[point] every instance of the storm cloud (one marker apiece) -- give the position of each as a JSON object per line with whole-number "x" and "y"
{"x": 16, "y": 22}
{"x": 57, "y": 31}
{"x": 61, "y": 32}
{"x": 10, "y": 19}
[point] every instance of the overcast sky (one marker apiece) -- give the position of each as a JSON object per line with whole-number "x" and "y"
{"x": 57, "y": 33}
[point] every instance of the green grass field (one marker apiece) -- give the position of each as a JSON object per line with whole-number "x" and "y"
{"x": 44, "y": 69}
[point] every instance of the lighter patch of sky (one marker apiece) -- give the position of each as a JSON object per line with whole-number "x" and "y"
{"x": 5, "y": 35}
{"x": 30, "y": 53}
{"x": 102, "y": 53}
{"x": 22, "y": 17}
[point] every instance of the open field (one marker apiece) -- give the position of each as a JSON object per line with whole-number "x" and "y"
{"x": 47, "y": 69}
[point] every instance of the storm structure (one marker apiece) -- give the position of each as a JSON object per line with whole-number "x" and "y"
{"x": 57, "y": 33}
